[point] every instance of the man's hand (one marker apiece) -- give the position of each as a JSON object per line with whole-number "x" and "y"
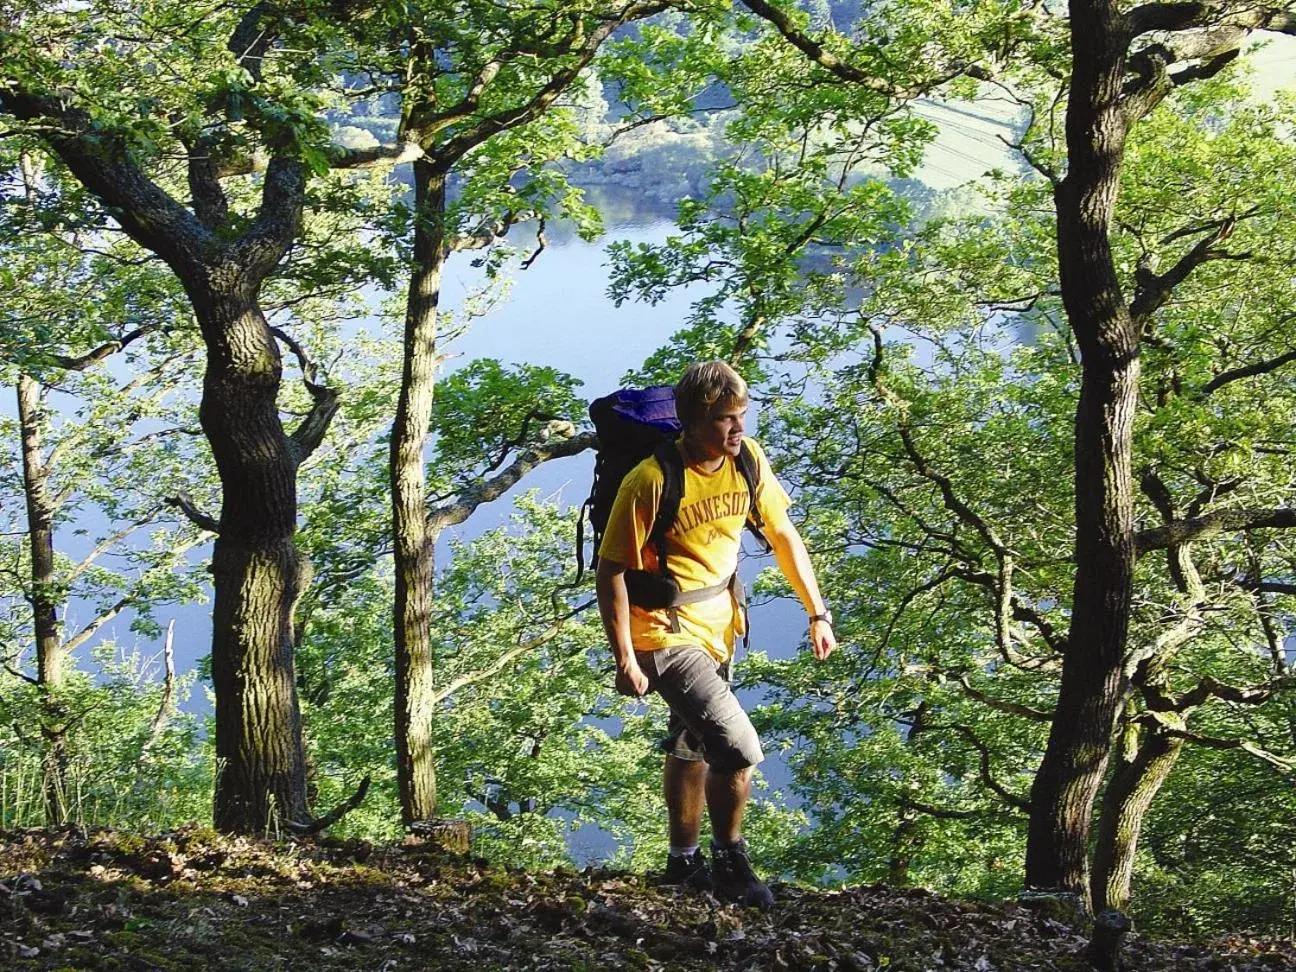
{"x": 822, "y": 639}
{"x": 632, "y": 681}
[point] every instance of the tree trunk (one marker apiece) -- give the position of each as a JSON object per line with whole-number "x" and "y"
{"x": 1129, "y": 794}
{"x": 1093, "y": 685}
{"x": 45, "y": 600}
{"x": 257, "y": 572}
{"x": 907, "y": 837}
{"x": 413, "y": 544}
{"x": 905, "y": 840}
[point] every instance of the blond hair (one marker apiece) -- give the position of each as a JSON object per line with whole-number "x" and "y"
{"x": 704, "y": 385}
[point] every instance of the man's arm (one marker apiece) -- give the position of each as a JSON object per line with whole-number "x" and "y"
{"x": 614, "y": 608}
{"x": 794, "y": 560}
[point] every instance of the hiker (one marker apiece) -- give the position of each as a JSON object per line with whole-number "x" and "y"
{"x": 683, "y": 652}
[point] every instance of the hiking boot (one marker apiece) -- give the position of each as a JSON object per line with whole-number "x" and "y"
{"x": 688, "y": 872}
{"x": 734, "y": 879}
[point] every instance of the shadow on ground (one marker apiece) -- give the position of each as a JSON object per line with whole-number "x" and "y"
{"x": 197, "y": 900}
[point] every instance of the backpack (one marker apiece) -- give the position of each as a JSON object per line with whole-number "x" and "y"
{"x": 633, "y": 424}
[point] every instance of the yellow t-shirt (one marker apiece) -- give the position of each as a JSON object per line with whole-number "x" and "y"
{"x": 701, "y": 546}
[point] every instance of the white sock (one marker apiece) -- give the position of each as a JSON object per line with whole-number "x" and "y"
{"x": 683, "y": 851}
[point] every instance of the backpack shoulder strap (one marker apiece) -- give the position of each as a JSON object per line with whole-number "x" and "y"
{"x": 672, "y": 467}
{"x": 751, "y": 474}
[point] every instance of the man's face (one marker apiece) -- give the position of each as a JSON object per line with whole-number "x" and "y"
{"x": 721, "y": 432}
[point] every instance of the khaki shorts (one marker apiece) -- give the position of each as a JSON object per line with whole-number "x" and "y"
{"x": 707, "y": 721}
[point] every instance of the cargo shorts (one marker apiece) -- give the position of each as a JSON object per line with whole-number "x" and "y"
{"x": 707, "y": 722}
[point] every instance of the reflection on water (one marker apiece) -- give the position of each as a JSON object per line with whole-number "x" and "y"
{"x": 623, "y": 208}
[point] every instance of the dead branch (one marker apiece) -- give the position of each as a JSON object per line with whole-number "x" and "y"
{"x": 168, "y": 688}
{"x": 306, "y": 828}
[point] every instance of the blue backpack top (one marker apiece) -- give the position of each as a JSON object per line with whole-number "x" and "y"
{"x": 633, "y": 424}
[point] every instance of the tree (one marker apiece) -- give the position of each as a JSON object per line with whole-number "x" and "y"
{"x": 117, "y": 96}
{"x": 70, "y": 309}
{"x": 1119, "y": 74}
{"x": 476, "y": 100}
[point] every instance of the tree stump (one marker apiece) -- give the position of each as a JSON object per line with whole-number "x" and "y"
{"x": 451, "y": 836}
{"x": 1110, "y": 928}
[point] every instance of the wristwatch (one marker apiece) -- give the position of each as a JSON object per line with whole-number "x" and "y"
{"x": 826, "y": 616}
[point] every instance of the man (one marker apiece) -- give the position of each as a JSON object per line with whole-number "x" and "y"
{"x": 683, "y": 653}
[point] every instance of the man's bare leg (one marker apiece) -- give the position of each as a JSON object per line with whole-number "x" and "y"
{"x": 684, "y": 783}
{"x": 732, "y": 874}
{"x": 726, "y": 798}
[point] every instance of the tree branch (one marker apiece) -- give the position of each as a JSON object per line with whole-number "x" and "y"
{"x": 987, "y": 778}
{"x": 1209, "y": 688}
{"x": 20, "y": 675}
{"x": 486, "y": 490}
{"x": 309, "y": 369}
{"x": 818, "y": 54}
{"x": 305, "y": 828}
{"x": 1271, "y": 587}
{"x": 307, "y": 437}
{"x": 91, "y": 629}
{"x": 1198, "y": 14}
{"x": 1166, "y": 17}
{"x": 105, "y": 350}
{"x": 583, "y": 47}
{"x": 359, "y": 158}
{"x": 1212, "y": 524}
{"x": 251, "y": 40}
{"x": 500, "y": 663}
{"x": 1153, "y": 290}
{"x": 909, "y": 597}
{"x": 919, "y": 461}
{"x": 540, "y": 245}
{"x": 168, "y": 687}
{"x": 259, "y": 250}
{"x": 210, "y": 204}
{"x": 1210, "y": 33}
{"x": 195, "y": 515}
{"x": 1002, "y": 705}
{"x": 1246, "y": 371}
{"x": 107, "y": 543}
{"x": 1282, "y": 764}
{"x": 101, "y": 163}
{"x": 941, "y": 813}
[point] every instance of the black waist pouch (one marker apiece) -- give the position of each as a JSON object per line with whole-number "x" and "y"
{"x": 651, "y": 590}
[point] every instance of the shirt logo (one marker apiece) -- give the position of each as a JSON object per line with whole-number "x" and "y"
{"x": 712, "y": 508}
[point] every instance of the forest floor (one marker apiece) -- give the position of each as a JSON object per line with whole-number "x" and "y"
{"x": 196, "y": 900}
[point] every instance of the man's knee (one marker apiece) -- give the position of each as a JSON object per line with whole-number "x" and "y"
{"x": 738, "y": 748}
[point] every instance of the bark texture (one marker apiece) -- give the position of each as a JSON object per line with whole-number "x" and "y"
{"x": 45, "y": 601}
{"x": 257, "y": 572}
{"x": 1129, "y": 794}
{"x": 414, "y": 544}
{"x": 1093, "y": 683}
